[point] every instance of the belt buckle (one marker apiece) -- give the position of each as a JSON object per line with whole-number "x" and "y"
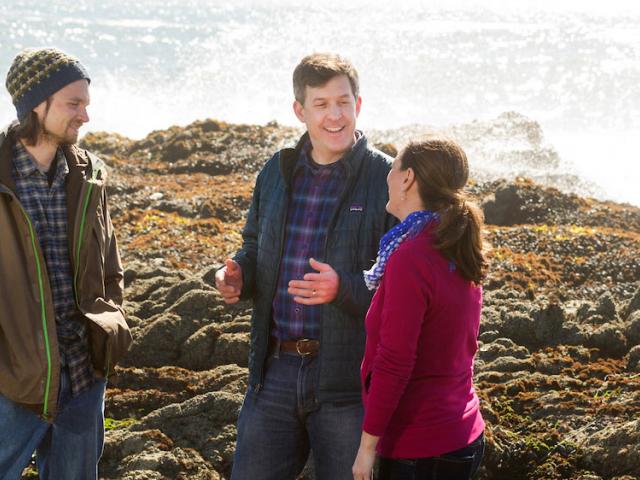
{"x": 302, "y": 342}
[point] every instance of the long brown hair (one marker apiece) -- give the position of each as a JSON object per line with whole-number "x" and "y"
{"x": 442, "y": 170}
{"x": 30, "y": 127}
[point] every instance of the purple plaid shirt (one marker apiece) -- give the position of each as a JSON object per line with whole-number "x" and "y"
{"x": 47, "y": 208}
{"x": 315, "y": 194}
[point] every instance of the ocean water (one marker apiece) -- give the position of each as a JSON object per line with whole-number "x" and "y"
{"x": 572, "y": 66}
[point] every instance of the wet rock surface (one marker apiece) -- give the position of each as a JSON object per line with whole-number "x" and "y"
{"x": 558, "y": 367}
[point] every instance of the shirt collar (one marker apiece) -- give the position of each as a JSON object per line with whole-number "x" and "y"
{"x": 26, "y": 166}
{"x": 22, "y": 161}
{"x": 305, "y": 159}
{"x": 62, "y": 167}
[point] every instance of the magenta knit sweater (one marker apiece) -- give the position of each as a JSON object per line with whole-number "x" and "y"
{"x": 417, "y": 371}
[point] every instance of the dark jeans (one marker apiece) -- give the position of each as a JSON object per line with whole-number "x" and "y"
{"x": 281, "y": 423}
{"x": 457, "y": 465}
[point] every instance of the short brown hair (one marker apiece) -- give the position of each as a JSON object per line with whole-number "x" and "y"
{"x": 442, "y": 170}
{"x": 317, "y": 69}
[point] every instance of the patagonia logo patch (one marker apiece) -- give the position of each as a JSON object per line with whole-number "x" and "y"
{"x": 356, "y": 208}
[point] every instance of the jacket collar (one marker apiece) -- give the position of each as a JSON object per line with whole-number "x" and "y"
{"x": 25, "y": 166}
{"x": 352, "y": 159}
{"x": 6, "y": 156}
{"x": 82, "y": 164}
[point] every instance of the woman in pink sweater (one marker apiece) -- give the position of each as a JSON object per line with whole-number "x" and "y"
{"x": 422, "y": 414}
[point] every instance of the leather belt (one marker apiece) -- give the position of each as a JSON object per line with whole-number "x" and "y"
{"x": 302, "y": 347}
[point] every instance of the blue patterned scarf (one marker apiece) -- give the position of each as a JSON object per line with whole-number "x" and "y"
{"x": 408, "y": 228}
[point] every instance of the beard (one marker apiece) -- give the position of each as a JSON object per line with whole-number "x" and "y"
{"x": 64, "y": 137}
{"x": 67, "y": 137}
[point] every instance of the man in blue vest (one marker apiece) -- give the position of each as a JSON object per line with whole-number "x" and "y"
{"x": 316, "y": 218}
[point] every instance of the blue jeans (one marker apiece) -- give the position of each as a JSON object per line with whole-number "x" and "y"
{"x": 281, "y": 423}
{"x": 69, "y": 448}
{"x": 460, "y": 464}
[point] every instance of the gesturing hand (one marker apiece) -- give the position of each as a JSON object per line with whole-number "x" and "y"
{"x": 316, "y": 288}
{"x": 229, "y": 281}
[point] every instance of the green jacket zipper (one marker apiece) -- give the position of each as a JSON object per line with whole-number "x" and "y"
{"x": 43, "y": 315}
{"x": 83, "y": 221}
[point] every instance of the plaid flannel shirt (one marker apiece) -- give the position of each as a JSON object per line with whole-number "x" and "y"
{"x": 315, "y": 194}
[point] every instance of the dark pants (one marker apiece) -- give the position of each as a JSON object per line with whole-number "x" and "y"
{"x": 457, "y": 465}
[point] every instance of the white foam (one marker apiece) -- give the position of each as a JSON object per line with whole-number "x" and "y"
{"x": 569, "y": 64}
{"x": 610, "y": 159}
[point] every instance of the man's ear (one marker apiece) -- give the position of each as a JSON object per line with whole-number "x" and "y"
{"x": 298, "y": 109}
{"x": 358, "y": 105}
{"x": 40, "y": 109}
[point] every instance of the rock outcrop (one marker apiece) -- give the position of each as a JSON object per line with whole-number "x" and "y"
{"x": 558, "y": 366}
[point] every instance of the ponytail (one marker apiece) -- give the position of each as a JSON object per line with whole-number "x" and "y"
{"x": 459, "y": 238}
{"x": 441, "y": 170}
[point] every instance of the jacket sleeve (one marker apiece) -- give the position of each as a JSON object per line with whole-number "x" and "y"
{"x": 405, "y": 304}
{"x": 353, "y": 295}
{"x": 114, "y": 272}
{"x": 247, "y": 256}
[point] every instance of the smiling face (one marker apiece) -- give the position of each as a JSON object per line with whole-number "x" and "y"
{"x": 329, "y": 112}
{"x": 66, "y": 112}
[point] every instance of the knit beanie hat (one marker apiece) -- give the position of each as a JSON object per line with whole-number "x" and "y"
{"x": 38, "y": 73}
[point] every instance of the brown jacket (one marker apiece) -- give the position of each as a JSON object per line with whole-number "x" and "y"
{"x": 29, "y": 358}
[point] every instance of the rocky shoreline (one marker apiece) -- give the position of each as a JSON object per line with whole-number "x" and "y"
{"x": 558, "y": 369}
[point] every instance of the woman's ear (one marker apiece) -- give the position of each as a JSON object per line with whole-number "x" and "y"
{"x": 409, "y": 179}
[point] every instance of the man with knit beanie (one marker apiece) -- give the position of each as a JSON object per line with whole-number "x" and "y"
{"x": 62, "y": 327}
